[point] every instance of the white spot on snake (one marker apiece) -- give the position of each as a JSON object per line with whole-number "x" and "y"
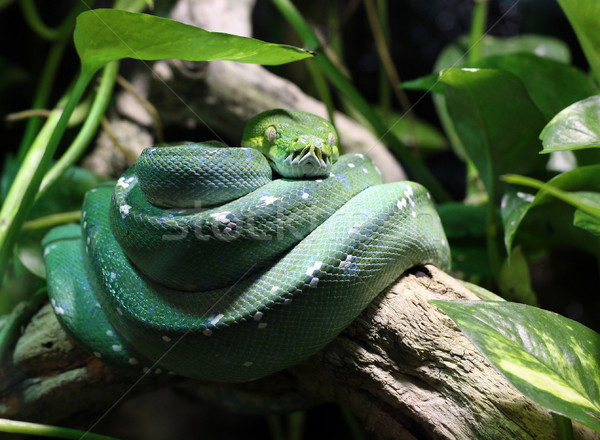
{"x": 124, "y": 209}
{"x": 274, "y": 289}
{"x": 110, "y": 333}
{"x": 97, "y": 305}
{"x": 166, "y": 339}
{"x": 409, "y": 191}
{"x": 319, "y": 180}
{"x": 428, "y": 195}
{"x": 221, "y": 216}
{"x": 98, "y": 354}
{"x": 85, "y": 225}
{"x": 59, "y": 310}
{"x": 313, "y": 283}
{"x": 258, "y": 316}
{"x": 366, "y": 171}
{"x": 247, "y": 364}
{"x": 331, "y": 175}
{"x": 113, "y": 276}
{"x": 227, "y": 230}
{"x": 305, "y": 196}
{"x": 119, "y": 311}
{"x": 124, "y": 182}
{"x": 287, "y": 302}
{"x": 314, "y": 267}
{"x": 88, "y": 239}
{"x": 133, "y": 361}
{"x": 268, "y": 200}
{"x": 362, "y": 156}
{"x": 262, "y": 325}
{"x": 377, "y": 169}
{"x": 207, "y": 332}
{"x": 351, "y": 165}
{"x": 401, "y": 204}
{"x": 216, "y": 319}
{"x": 345, "y": 264}
{"x": 443, "y": 242}
{"x": 117, "y": 347}
{"x": 414, "y": 213}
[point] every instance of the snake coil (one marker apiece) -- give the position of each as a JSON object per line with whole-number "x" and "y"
{"x": 197, "y": 262}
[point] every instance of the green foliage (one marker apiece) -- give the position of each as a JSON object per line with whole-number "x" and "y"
{"x": 128, "y": 35}
{"x": 549, "y": 358}
{"x": 576, "y": 127}
{"x": 494, "y": 109}
{"x": 496, "y": 120}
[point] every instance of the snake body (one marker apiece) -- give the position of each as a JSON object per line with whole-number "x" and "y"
{"x": 164, "y": 273}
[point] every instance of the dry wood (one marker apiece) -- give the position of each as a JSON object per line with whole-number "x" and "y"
{"x": 402, "y": 367}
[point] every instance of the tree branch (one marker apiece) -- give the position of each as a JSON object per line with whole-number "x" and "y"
{"x": 402, "y": 367}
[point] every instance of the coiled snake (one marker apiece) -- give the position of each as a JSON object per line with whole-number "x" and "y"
{"x": 198, "y": 263}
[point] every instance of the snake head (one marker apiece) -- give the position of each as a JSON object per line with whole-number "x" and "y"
{"x": 297, "y": 144}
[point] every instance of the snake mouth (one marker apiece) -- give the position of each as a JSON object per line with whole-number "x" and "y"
{"x": 307, "y": 159}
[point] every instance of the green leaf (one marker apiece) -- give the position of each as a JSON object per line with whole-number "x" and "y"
{"x": 552, "y": 85}
{"x": 455, "y": 55}
{"x": 514, "y": 280}
{"x": 587, "y": 201}
{"x": 584, "y": 16}
{"x": 575, "y": 127}
{"x": 586, "y": 221}
{"x": 496, "y": 121}
{"x": 552, "y": 360}
{"x": 516, "y": 203}
{"x": 104, "y": 35}
{"x": 513, "y": 208}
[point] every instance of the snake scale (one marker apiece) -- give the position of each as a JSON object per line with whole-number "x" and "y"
{"x": 198, "y": 262}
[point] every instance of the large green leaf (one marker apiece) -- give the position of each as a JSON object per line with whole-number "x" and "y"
{"x": 552, "y": 360}
{"x": 575, "y": 127}
{"x": 455, "y": 55}
{"x": 584, "y": 16}
{"x": 551, "y": 84}
{"x": 104, "y": 35}
{"x": 496, "y": 120}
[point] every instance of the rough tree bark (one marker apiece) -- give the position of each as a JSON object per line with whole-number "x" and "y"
{"x": 402, "y": 367}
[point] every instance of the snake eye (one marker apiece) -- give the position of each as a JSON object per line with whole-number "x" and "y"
{"x": 271, "y": 133}
{"x": 331, "y": 139}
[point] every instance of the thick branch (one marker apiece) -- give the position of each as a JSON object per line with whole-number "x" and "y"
{"x": 402, "y": 367}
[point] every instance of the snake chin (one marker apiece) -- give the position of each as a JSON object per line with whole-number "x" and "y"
{"x": 308, "y": 162}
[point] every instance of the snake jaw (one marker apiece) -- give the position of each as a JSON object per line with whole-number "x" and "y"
{"x": 307, "y": 160}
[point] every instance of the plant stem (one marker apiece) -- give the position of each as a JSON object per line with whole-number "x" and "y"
{"x": 384, "y": 85}
{"x": 49, "y": 221}
{"x": 322, "y": 89}
{"x": 480, "y": 10}
{"x": 22, "y": 192}
{"x": 41, "y": 96}
{"x": 347, "y": 89}
{"x": 40, "y": 430}
{"x": 60, "y": 32}
{"x": 76, "y": 149}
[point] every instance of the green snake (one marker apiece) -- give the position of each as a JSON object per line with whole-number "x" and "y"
{"x": 198, "y": 262}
